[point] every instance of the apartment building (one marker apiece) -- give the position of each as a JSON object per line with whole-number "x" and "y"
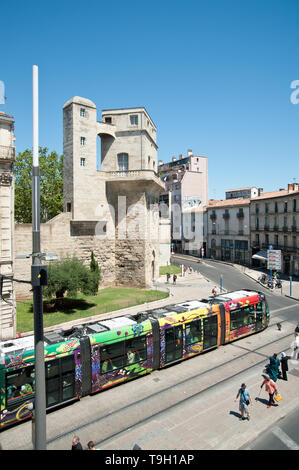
{"x": 186, "y": 180}
{"x": 274, "y": 220}
{"x": 228, "y": 230}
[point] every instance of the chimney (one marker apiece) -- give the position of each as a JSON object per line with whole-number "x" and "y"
{"x": 174, "y": 159}
{"x": 160, "y": 162}
{"x": 189, "y": 152}
{"x": 291, "y": 187}
{"x": 181, "y": 156}
{"x": 260, "y": 191}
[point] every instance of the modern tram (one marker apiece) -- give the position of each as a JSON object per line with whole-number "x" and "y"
{"x": 93, "y": 357}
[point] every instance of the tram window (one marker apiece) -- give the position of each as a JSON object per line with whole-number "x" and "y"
{"x": 249, "y": 315}
{"x": 242, "y": 317}
{"x": 260, "y": 307}
{"x": 193, "y": 332}
{"x": 68, "y": 386}
{"x": 135, "y": 350}
{"x": 236, "y": 319}
{"x": 20, "y": 384}
{"x": 52, "y": 368}
{"x": 112, "y": 356}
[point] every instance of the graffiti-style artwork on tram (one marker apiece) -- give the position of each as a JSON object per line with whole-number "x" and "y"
{"x": 96, "y": 356}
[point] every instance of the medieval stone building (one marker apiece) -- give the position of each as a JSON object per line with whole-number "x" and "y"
{"x": 111, "y": 197}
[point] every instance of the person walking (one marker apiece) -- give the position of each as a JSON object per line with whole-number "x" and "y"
{"x": 91, "y": 446}
{"x": 271, "y": 388}
{"x": 214, "y": 291}
{"x": 295, "y": 346}
{"x": 167, "y": 277}
{"x": 244, "y": 402}
{"x": 272, "y": 368}
{"x": 174, "y": 278}
{"x": 284, "y": 365}
{"x": 76, "y": 444}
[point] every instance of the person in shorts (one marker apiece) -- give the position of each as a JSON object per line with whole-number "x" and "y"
{"x": 244, "y": 402}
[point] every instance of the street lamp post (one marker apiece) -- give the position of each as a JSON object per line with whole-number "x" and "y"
{"x": 38, "y": 279}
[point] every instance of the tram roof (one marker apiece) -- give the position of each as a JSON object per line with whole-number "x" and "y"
{"x": 234, "y": 295}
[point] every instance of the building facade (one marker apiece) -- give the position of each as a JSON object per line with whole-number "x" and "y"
{"x": 7, "y": 157}
{"x": 274, "y": 222}
{"x": 228, "y": 230}
{"x": 111, "y": 197}
{"x": 186, "y": 180}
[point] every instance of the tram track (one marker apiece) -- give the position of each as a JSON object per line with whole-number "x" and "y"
{"x": 173, "y": 394}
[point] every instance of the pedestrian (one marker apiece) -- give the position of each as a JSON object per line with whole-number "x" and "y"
{"x": 174, "y": 278}
{"x": 91, "y": 446}
{"x": 76, "y": 444}
{"x": 214, "y": 291}
{"x": 295, "y": 346}
{"x": 271, "y": 388}
{"x": 284, "y": 365}
{"x": 297, "y": 329}
{"x": 277, "y": 361}
{"x": 272, "y": 368}
{"x": 167, "y": 277}
{"x": 244, "y": 402}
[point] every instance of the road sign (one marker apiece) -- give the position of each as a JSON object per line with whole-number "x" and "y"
{"x": 274, "y": 259}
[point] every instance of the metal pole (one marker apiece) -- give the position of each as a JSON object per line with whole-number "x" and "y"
{"x": 290, "y": 286}
{"x": 220, "y": 283}
{"x": 39, "y": 429}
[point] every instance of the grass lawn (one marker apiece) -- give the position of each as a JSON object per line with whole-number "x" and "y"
{"x": 170, "y": 269}
{"x": 107, "y": 300}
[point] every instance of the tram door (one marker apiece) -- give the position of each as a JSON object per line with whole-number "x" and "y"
{"x": 210, "y": 332}
{"x": 259, "y": 316}
{"x": 173, "y": 343}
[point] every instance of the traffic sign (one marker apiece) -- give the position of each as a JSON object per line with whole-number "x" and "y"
{"x": 274, "y": 259}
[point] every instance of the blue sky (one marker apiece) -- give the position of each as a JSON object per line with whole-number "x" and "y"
{"x": 214, "y": 76}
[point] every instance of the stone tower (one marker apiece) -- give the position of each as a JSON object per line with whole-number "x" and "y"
{"x": 119, "y": 200}
{"x": 7, "y": 157}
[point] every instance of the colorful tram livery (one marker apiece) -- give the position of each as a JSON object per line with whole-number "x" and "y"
{"x": 90, "y": 358}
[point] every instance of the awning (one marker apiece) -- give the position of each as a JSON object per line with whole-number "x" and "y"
{"x": 262, "y": 255}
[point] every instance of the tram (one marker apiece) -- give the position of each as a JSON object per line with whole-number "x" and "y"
{"x": 93, "y": 357}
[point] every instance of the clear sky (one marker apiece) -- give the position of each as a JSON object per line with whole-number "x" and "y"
{"x": 214, "y": 75}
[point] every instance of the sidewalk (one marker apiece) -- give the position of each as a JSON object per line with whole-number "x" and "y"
{"x": 285, "y": 290}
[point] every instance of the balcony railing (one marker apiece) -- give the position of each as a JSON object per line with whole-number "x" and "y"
{"x": 7, "y": 153}
{"x": 135, "y": 174}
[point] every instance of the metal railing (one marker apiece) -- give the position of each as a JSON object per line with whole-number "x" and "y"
{"x": 7, "y": 152}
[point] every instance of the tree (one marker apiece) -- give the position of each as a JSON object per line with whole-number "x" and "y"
{"x": 96, "y": 272}
{"x": 51, "y": 185}
{"x": 72, "y": 276}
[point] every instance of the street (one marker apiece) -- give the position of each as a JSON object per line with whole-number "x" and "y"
{"x": 190, "y": 405}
